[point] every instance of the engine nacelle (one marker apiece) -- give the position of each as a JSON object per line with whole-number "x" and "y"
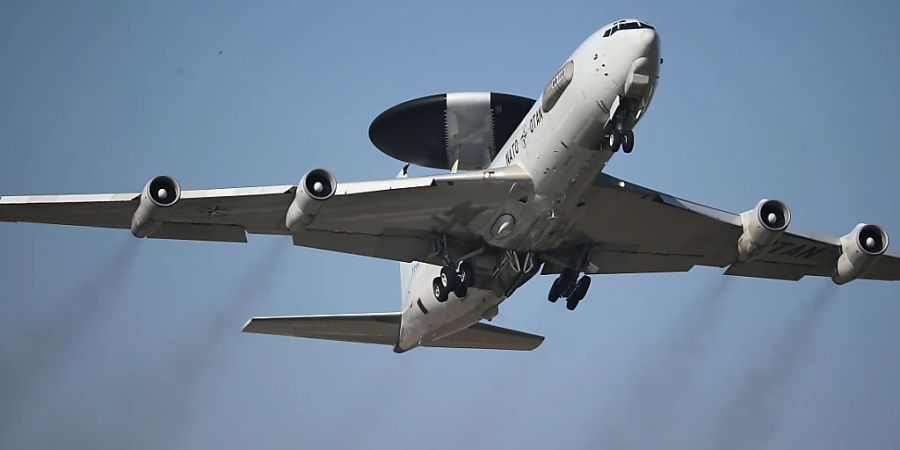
{"x": 762, "y": 225}
{"x": 859, "y": 250}
{"x": 316, "y": 186}
{"x": 157, "y": 199}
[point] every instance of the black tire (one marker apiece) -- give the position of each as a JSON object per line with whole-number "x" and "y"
{"x": 554, "y": 293}
{"x": 449, "y": 278}
{"x": 567, "y": 281}
{"x": 581, "y": 289}
{"x": 461, "y": 291}
{"x": 440, "y": 291}
{"x": 466, "y": 274}
{"x": 615, "y": 141}
{"x": 628, "y": 141}
{"x": 571, "y": 305}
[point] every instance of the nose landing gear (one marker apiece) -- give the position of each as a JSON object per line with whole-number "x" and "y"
{"x": 621, "y": 138}
{"x": 568, "y": 285}
{"x": 620, "y": 135}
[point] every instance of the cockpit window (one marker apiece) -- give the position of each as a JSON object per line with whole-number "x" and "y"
{"x": 633, "y": 25}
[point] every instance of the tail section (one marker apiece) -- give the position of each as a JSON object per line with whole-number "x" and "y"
{"x": 406, "y": 269}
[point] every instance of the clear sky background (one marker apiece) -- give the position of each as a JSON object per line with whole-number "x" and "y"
{"x": 111, "y": 342}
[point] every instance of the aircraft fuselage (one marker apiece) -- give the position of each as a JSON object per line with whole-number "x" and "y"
{"x": 606, "y": 84}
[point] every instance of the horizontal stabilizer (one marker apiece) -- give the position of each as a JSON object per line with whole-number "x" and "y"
{"x": 379, "y": 328}
{"x": 384, "y": 328}
{"x": 482, "y": 335}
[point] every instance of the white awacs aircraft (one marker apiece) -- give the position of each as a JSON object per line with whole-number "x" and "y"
{"x": 526, "y": 192}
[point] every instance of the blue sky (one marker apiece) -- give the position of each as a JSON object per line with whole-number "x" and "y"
{"x": 112, "y": 342}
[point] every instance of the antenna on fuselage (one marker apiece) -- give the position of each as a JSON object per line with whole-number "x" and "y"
{"x": 404, "y": 172}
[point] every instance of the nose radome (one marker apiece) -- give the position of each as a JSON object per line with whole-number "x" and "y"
{"x": 648, "y": 38}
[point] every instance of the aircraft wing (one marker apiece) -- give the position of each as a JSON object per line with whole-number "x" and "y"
{"x": 633, "y": 229}
{"x": 397, "y": 218}
{"x": 392, "y": 219}
{"x": 210, "y": 215}
{"x": 384, "y": 328}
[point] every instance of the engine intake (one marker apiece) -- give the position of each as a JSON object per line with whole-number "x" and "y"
{"x": 157, "y": 199}
{"x": 762, "y": 225}
{"x": 317, "y": 186}
{"x": 859, "y": 250}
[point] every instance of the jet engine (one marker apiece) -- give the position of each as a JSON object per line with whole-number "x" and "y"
{"x": 157, "y": 199}
{"x": 316, "y": 186}
{"x": 762, "y": 225}
{"x": 859, "y": 250}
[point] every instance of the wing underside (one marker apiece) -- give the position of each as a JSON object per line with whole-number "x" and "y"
{"x": 392, "y": 219}
{"x": 633, "y": 229}
{"x": 630, "y": 228}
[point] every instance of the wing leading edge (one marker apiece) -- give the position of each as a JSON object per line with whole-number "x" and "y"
{"x": 391, "y": 219}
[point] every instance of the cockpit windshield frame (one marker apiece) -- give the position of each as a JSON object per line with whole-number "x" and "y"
{"x": 626, "y": 25}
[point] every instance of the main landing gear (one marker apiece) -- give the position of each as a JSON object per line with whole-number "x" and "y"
{"x": 568, "y": 285}
{"x": 456, "y": 278}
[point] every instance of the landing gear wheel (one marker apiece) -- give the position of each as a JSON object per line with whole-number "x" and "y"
{"x": 567, "y": 281}
{"x": 555, "y": 293}
{"x": 440, "y": 291}
{"x": 581, "y": 289}
{"x": 615, "y": 141}
{"x": 628, "y": 141}
{"x": 466, "y": 274}
{"x": 571, "y": 304}
{"x": 461, "y": 291}
{"x": 449, "y": 278}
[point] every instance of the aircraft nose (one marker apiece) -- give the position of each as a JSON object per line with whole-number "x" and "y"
{"x": 648, "y": 41}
